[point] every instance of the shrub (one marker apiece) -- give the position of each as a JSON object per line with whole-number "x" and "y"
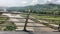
{"x": 10, "y": 27}
{"x": 3, "y": 19}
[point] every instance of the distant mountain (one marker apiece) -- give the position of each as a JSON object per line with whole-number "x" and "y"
{"x": 37, "y": 7}
{"x": 43, "y": 7}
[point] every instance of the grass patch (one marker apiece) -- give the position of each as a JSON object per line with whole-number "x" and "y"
{"x": 10, "y": 26}
{"x": 50, "y": 19}
{"x": 3, "y": 19}
{"x": 46, "y": 17}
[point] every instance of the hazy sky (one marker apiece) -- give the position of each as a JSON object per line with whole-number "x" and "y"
{"x": 26, "y": 2}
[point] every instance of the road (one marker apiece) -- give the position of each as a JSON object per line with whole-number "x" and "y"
{"x": 35, "y": 27}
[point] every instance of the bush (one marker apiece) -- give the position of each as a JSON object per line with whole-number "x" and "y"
{"x": 0, "y": 13}
{"x": 1, "y": 22}
{"x": 3, "y": 19}
{"x": 10, "y": 27}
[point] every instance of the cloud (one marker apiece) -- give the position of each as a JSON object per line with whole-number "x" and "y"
{"x": 34, "y": 2}
{"x": 25, "y": 2}
{"x": 49, "y": 0}
{"x": 55, "y": 1}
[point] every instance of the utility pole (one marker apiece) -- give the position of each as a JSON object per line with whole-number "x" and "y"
{"x": 26, "y": 20}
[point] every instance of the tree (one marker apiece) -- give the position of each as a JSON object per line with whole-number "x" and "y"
{"x": 26, "y": 20}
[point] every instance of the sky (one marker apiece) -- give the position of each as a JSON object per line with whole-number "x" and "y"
{"x": 10, "y": 3}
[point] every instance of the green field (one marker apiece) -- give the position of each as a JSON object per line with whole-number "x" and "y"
{"x": 3, "y": 19}
{"x": 46, "y": 17}
{"x": 6, "y": 25}
{"x": 51, "y": 19}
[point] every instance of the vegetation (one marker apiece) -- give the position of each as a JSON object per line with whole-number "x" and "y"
{"x": 53, "y": 9}
{"x": 0, "y": 13}
{"x": 47, "y": 12}
{"x": 3, "y": 19}
{"x": 5, "y": 25}
{"x": 10, "y": 26}
{"x": 48, "y": 18}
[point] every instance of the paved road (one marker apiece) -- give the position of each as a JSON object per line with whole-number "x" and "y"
{"x": 35, "y": 27}
{"x": 22, "y": 32}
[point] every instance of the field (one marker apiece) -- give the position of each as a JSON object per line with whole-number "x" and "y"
{"x": 6, "y": 25}
{"x": 51, "y": 19}
{"x": 46, "y": 17}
